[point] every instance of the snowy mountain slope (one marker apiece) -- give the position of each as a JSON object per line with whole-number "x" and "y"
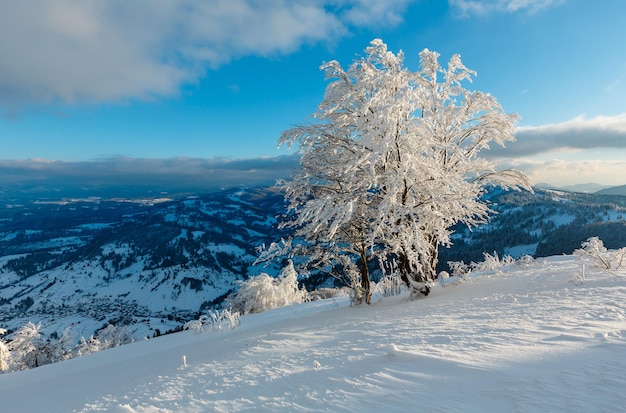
{"x": 153, "y": 263}
{"x": 523, "y": 338}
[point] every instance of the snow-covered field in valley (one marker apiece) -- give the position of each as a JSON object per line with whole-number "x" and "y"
{"x": 519, "y": 339}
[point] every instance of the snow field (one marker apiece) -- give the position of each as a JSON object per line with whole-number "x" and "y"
{"x": 514, "y": 340}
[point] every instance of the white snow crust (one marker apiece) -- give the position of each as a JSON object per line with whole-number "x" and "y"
{"x": 519, "y": 339}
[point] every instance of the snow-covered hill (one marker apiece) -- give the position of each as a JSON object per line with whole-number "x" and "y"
{"x": 528, "y": 338}
{"x": 614, "y": 190}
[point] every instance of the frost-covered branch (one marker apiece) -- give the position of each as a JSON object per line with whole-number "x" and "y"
{"x": 594, "y": 251}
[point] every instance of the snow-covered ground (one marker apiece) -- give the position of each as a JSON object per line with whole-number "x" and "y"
{"x": 522, "y": 339}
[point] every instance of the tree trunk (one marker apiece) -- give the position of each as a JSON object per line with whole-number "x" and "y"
{"x": 365, "y": 276}
{"x": 405, "y": 268}
{"x": 416, "y": 279}
{"x": 430, "y": 267}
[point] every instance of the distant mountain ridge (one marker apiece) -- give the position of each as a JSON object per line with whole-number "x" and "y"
{"x": 614, "y": 190}
{"x": 584, "y": 188}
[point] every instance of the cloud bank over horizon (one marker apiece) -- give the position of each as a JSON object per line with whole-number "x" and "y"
{"x": 549, "y": 153}
{"x": 182, "y": 173}
{"x": 552, "y": 140}
{"x": 578, "y": 133}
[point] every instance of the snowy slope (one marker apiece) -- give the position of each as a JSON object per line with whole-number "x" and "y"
{"x": 522, "y": 339}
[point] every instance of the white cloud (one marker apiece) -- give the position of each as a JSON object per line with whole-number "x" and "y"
{"x": 371, "y": 12}
{"x": 576, "y": 134}
{"x": 106, "y": 51}
{"x": 562, "y": 172}
{"x": 467, "y": 8}
{"x": 576, "y": 151}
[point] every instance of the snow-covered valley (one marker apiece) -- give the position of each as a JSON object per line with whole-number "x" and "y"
{"x": 524, "y": 338}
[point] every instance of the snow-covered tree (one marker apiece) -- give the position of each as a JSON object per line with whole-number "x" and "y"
{"x": 88, "y": 346}
{"x": 4, "y": 352}
{"x": 263, "y": 292}
{"x": 25, "y": 347}
{"x": 392, "y": 162}
{"x": 61, "y": 348}
{"x": 593, "y": 250}
{"x": 113, "y": 336}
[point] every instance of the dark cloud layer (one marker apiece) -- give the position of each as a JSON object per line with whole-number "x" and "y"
{"x": 578, "y": 133}
{"x": 172, "y": 173}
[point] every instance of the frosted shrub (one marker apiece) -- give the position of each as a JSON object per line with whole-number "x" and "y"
{"x": 224, "y": 320}
{"x": 493, "y": 262}
{"x": 490, "y": 263}
{"x": 356, "y": 288}
{"x": 108, "y": 337}
{"x": 217, "y": 320}
{"x": 459, "y": 269}
{"x": 594, "y": 252}
{"x": 25, "y": 347}
{"x": 4, "y": 353}
{"x": 112, "y": 336}
{"x": 60, "y": 349}
{"x": 261, "y": 293}
{"x": 28, "y": 348}
{"x": 197, "y": 326}
{"x": 459, "y": 272}
{"x": 525, "y": 261}
{"x": 87, "y": 346}
{"x": 389, "y": 285}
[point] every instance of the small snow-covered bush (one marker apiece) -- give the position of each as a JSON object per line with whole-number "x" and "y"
{"x": 459, "y": 269}
{"x": 25, "y": 347}
{"x": 113, "y": 336}
{"x": 490, "y": 263}
{"x": 323, "y": 293}
{"x": 493, "y": 262}
{"x": 594, "y": 251}
{"x": 263, "y": 292}
{"x": 389, "y": 285}
{"x": 525, "y": 261}
{"x": 28, "y": 348}
{"x": 4, "y": 352}
{"x": 88, "y": 346}
{"x": 579, "y": 277}
{"x": 224, "y": 320}
{"x": 217, "y": 320}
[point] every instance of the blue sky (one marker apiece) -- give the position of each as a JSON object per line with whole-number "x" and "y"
{"x": 150, "y": 83}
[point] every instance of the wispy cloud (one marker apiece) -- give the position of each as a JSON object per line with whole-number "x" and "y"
{"x": 172, "y": 172}
{"x": 95, "y": 51}
{"x": 577, "y": 133}
{"x": 614, "y": 85}
{"x": 467, "y": 8}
